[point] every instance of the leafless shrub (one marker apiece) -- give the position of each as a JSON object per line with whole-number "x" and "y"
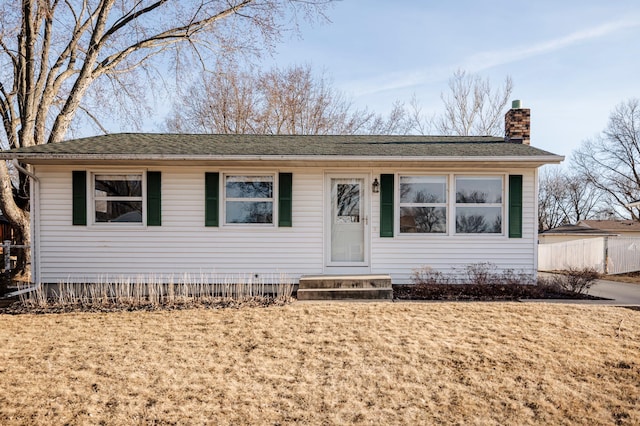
{"x": 155, "y": 292}
{"x": 475, "y": 273}
{"x": 511, "y": 277}
{"x": 574, "y": 280}
{"x": 481, "y": 273}
{"x": 425, "y": 275}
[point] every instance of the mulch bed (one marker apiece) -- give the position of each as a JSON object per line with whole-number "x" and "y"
{"x": 16, "y": 307}
{"x": 482, "y": 292}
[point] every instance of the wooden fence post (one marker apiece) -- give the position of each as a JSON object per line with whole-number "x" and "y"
{"x": 6, "y": 252}
{"x": 606, "y": 256}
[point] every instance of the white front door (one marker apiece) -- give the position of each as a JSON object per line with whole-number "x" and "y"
{"x": 347, "y": 221}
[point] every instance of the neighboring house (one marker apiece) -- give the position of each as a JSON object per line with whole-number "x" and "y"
{"x": 624, "y": 228}
{"x": 169, "y": 204}
{"x": 6, "y": 230}
{"x": 571, "y": 233}
{"x": 609, "y": 246}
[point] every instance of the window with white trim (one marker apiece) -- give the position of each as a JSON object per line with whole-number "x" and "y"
{"x": 478, "y": 205}
{"x": 423, "y": 204}
{"x": 117, "y": 198}
{"x": 248, "y": 199}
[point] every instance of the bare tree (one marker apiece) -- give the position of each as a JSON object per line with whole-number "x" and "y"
{"x": 397, "y": 122}
{"x": 565, "y": 197}
{"x": 279, "y": 101}
{"x": 60, "y": 58}
{"x": 296, "y": 102}
{"x": 611, "y": 161}
{"x": 220, "y": 102}
{"x": 550, "y": 192}
{"x": 472, "y": 107}
{"x": 582, "y": 200}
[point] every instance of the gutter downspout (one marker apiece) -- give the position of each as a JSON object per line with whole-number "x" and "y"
{"x": 35, "y": 193}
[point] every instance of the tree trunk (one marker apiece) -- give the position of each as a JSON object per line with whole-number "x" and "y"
{"x": 19, "y": 219}
{"x": 22, "y": 233}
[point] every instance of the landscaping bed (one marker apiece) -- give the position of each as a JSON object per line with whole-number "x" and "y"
{"x": 476, "y": 282}
{"x": 482, "y": 292}
{"x": 17, "y": 307}
{"x": 480, "y": 281}
{"x": 146, "y": 295}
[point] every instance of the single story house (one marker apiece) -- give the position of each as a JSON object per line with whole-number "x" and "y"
{"x": 624, "y": 228}
{"x": 171, "y": 204}
{"x": 565, "y": 233}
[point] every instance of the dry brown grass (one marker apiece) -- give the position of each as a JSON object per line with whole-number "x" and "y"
{"x": 393, "y": 363}
{"x": 632, "y": 278}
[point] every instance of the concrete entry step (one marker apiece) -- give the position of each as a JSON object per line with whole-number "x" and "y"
{"x": 344, "y": 281}
{"x": 345, "y": 287}
{"x": 345, "y": 294}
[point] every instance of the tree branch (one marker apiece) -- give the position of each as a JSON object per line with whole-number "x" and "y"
{"x": 95, "y": 119}
{"x": 164, "y": 38}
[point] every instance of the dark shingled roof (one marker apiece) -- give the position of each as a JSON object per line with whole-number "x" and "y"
{"x": 142, "y": 145}
{"x": 612, "y": 225}
{"x": 575, "y": 230}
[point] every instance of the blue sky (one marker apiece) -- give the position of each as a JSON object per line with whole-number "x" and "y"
{"x": 571, "y": 61}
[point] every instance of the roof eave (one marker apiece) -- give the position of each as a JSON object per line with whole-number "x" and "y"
{"x": 44, "y": 158}
{"x": 579, "y": 234}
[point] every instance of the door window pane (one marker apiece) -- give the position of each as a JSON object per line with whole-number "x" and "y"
{"x": 347, "y": 203}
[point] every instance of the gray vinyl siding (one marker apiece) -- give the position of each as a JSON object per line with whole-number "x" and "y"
{"x": 401, "y": 254}
{"x": 183, "y": 245}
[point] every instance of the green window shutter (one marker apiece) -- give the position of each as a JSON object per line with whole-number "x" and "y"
{"x": 515, "y": 206}
{"x": 154, "y": 199}
{"x": 386, "y": 205}
{"x": 79, "y": 183}
{"x": 211, "y": 205}
{"x": 285, "y": 200}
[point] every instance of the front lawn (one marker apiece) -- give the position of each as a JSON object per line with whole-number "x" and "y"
{"x": 335, "y": 363}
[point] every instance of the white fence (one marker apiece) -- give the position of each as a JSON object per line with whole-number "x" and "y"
{"x": 609, "y": 255}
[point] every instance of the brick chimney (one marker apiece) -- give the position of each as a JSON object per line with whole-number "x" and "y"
{"x": 517, "y": 124}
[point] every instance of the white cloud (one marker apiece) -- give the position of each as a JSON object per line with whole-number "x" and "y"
{"x": 483, "y": 60}
{"x": 491, "y": 59}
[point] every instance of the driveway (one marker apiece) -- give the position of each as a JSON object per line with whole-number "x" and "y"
{"x": 615, "y": 293}
{"x": 622, "y": 294}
